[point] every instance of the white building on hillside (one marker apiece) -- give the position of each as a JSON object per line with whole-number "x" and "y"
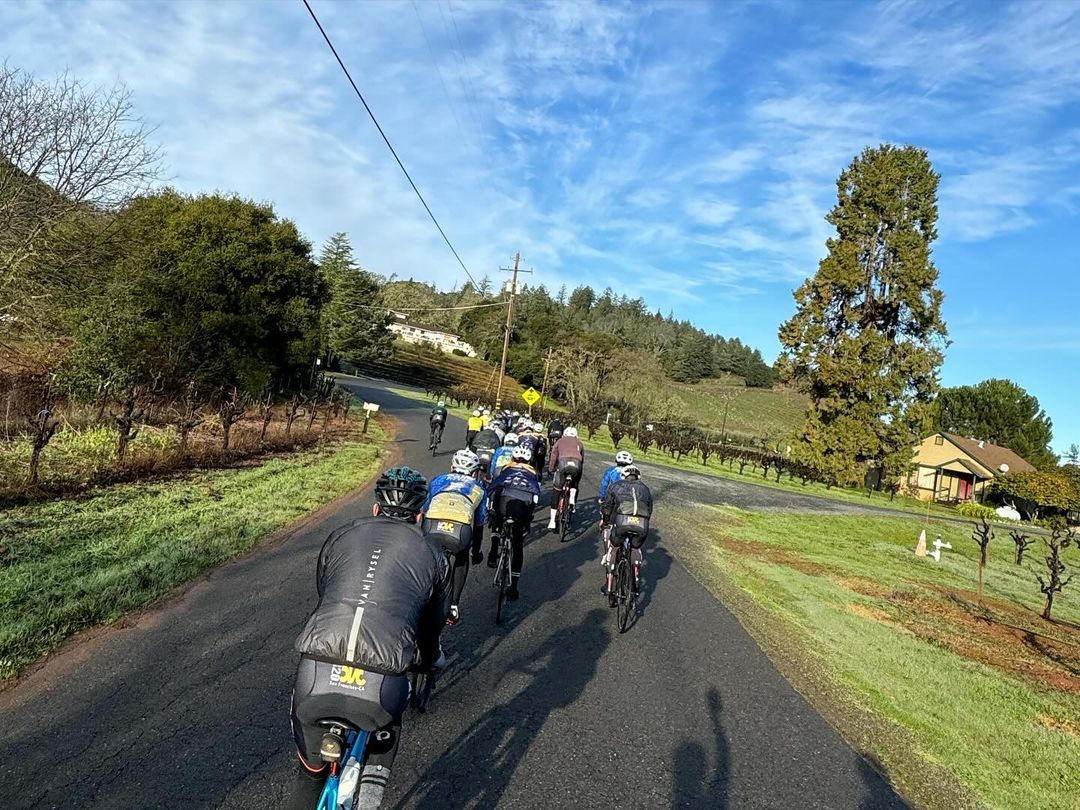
{"x": 412, "y": 332}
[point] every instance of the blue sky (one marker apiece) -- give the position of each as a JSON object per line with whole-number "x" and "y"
{"x": 684, "y": 152}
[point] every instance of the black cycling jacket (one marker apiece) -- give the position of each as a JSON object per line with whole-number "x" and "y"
{"x": 627, "y": 497}
{"x": 487, "y": 439}
{"x": 382, "y": 597}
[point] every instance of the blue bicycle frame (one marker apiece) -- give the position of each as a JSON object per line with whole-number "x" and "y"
{"x": 355, "y": 746}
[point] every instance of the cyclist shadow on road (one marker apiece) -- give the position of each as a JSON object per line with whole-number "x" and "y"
{"x": 697, "y": 783}
{"x": 658, "y": 562}
{"x": 491, "y": 749}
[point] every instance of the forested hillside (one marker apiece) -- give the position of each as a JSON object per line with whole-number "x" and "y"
{"x": 607, "y": 321}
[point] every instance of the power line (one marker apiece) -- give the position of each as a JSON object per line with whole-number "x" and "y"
{"x": 390, "y": 146}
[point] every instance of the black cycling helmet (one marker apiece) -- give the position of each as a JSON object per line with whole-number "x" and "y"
{"x": 400, "y": 492}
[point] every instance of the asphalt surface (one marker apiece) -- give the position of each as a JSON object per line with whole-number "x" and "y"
{"x": 188, "y": 707}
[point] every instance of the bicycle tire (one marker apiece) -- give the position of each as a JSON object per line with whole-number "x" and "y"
{"x": 564, "y": 519}
{"x": 502, "y": 579}
{"x": 623, "y": 588}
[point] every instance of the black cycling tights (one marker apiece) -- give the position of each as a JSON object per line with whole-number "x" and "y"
{"x": 522, "y": 513}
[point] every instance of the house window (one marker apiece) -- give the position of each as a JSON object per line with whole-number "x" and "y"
{"x": 939, "y": 440}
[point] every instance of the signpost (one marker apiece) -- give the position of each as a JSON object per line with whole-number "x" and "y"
{"x": 369, "y": 409}
{"x": 531, "y": 397}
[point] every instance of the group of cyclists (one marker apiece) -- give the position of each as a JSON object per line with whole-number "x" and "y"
{"x": 389, "y": 584}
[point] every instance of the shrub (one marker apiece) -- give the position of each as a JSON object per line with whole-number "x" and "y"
{"x": 977, "y": 511}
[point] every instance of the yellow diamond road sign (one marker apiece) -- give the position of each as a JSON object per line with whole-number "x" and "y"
{"x": 530, "y": 395}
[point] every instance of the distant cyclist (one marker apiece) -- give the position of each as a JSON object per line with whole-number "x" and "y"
{"x": 531, "y": 438}
{"x": 567, "y": 461}
{"x": 454, "y": 515}
{"x": 626, "y": 511}
{"x": 502, "y": 456}
{"x": 614, "y": 472}
{"x": 555, "y": 429}
{"x": 486, "y": 443}
{"x": 382, "y": 607}
{"x": 475, "y": 425}
{"x": 514, "y": 494}
{"x": 437, "y": 421}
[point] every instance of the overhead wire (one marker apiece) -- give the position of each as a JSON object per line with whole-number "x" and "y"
{"x": 389, "y": 145}
{"x": 430, "y": 309}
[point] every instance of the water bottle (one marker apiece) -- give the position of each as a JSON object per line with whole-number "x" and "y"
{"x": 350, "y": 775}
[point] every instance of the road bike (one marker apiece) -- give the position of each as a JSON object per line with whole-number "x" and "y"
{"x": 436, "y": 435}
{"x": 564, "y": 511}
{"x": 624, "y": 582}
{"x": 502, "y": 567}
{"x": 344, "y": 746}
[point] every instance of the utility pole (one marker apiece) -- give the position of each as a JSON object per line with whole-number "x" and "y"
{"x": 509, "y": 324}
{"x": 543, "y": 386}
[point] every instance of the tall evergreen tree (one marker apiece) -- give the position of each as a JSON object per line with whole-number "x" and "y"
{"x": 867, "y": 336}
{"x": 354, "y": 330}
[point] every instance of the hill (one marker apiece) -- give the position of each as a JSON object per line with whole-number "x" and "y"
{"x": 752, "y": 413}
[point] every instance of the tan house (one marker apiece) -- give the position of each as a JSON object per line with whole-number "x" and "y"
{"x": 953, "y": 469}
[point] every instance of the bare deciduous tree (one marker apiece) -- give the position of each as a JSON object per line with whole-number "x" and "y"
{"x": 189, "y": 417}
{"x": 42, "y": 426}
{"x": 292, "y": 412}
{"x": 982, "y": 534}
{"x": 66, "y": 150}
{"x": 1022, "y": 542}
{"x": 1054, "y": 583}
{"x": 230, "y": 411}
{"x": 266, "y": 409}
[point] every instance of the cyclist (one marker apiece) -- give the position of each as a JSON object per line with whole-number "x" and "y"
{"x": 454, "y": 515}
{"x": 529, "y": 437}
{"x": 437, "y": 421}
{"x": 501, "y": 456}
{"x": 555, "y": 429}
{"x": 567, "y": 461}
{"x": 475, "y": 425}
{"x": 614, "y": 472}
{"x": 382, "y": 607}
{"x": 626, "y": 510}
{"x": 486, "y": 443}
{"x": 486, "y": 416}
{"x": 515, "y": 494}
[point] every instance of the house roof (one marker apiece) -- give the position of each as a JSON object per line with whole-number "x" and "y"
{"x": 989, "y": 455}
{"x": 423, "y": 326}
{"x": 961, "y": 464}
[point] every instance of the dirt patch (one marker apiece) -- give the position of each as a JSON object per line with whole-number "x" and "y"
{"x": 774, "y": 554}
{"x": 987, "y": 636}
{"x": 1060, "y": 724}
{"x": 875, "y": 615}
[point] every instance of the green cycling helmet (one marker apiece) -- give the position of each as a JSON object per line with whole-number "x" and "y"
{"x": 401, "y": 492}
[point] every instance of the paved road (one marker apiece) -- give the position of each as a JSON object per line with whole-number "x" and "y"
{"x": 189, "y": 707}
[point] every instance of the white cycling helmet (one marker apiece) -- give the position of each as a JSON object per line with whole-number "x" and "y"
{"x": 487, "y": 411}
{"x": 476, "y": 413}
{"x": 442, "y": 404}
{"x": 465, "y": 462}
{"x": 522, "y": 453}
{"x": 511, "y": 439}
{"x": 623, "y": 457}
{"x": 630, "y": 471}
{"x": 538, "y": 427}
{"x": 570, "y": 431}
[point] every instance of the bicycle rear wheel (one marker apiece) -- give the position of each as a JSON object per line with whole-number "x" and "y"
{"x": 502, "y": 583}
{"x": 564, "y": 518}
{"x": 624, "y": 589}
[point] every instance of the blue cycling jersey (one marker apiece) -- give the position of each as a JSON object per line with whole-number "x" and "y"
{"x": 611, "y": 475}
{"x": 467, "y": 486}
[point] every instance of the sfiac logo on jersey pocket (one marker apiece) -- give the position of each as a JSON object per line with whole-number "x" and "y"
{"x": 347, "y": 676}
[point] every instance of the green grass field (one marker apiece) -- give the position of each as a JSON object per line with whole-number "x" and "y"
{"x": 67, "y": 565}
{"x": 990, "y": 693}
{"x": 751, "y": 412}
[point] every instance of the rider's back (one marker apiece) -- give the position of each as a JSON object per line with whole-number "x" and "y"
{"x": 376, "y": 579}
{"x": 629, "y": 497}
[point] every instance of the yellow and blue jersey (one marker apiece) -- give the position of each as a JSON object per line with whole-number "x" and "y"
{"x": 456, "y": 497}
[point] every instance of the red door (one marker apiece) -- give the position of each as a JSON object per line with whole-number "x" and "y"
{"x": 966, "y": 488}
